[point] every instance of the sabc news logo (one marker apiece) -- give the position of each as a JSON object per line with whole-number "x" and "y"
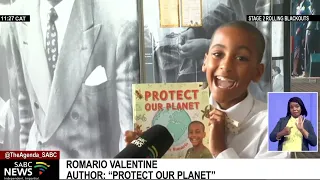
{"x": 42, "y": 166}
{"x": 22, "y": 169}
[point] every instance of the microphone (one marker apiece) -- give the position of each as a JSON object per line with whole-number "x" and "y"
{"x": 153, "y": 143}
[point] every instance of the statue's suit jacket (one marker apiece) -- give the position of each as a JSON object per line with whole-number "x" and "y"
{"x": 64, "y": 113}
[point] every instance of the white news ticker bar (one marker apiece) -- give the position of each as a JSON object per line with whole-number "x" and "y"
{"x": 190, "y": 168}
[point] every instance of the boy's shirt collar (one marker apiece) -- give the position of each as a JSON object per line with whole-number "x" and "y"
{"x": 238, "y": 112}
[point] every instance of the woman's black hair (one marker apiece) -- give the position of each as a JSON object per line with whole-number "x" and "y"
{"x": 300, "y": 102}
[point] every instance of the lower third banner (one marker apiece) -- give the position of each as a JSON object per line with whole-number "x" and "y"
{"x": 29, "y": 165}
{"x": 187, "y": 169}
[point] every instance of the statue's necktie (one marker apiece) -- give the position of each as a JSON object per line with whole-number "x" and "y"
{"x": 52, "y": 42}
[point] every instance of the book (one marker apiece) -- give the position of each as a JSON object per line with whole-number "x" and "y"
{"x": 175, "y": 106}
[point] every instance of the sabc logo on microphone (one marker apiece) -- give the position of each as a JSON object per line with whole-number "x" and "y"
{"x": 153, "y": 153}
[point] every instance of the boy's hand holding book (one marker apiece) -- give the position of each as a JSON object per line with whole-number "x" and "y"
{"x": 217, "y": 123}
{"x": 132, "y": 135}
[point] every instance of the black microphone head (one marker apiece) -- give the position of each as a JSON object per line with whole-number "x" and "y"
{"x": 153, "y": 143}
{"x": 159, "y": 137}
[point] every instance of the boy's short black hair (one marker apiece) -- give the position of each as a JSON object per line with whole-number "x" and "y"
{"x": 197, "y": 122}
{"x": 250, "y": 28}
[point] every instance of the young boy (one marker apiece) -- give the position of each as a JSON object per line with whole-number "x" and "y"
{"x": 232, "y": 62}
{"x": 196, "y": 134}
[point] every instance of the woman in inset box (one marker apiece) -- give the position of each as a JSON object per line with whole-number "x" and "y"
{"x": 294, "y": 132}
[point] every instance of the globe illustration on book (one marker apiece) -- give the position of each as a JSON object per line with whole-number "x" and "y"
{"x": 176, "y": 121}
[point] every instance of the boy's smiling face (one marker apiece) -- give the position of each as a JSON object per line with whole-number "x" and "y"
{"x": 232, "y": 62}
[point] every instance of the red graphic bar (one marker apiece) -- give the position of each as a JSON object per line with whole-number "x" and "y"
{"x": 29, "y": 155}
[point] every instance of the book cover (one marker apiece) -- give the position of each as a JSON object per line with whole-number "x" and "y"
{"x": 182, "y": 108}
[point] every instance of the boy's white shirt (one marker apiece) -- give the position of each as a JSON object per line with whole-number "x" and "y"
{"x": 252, "y": 139}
